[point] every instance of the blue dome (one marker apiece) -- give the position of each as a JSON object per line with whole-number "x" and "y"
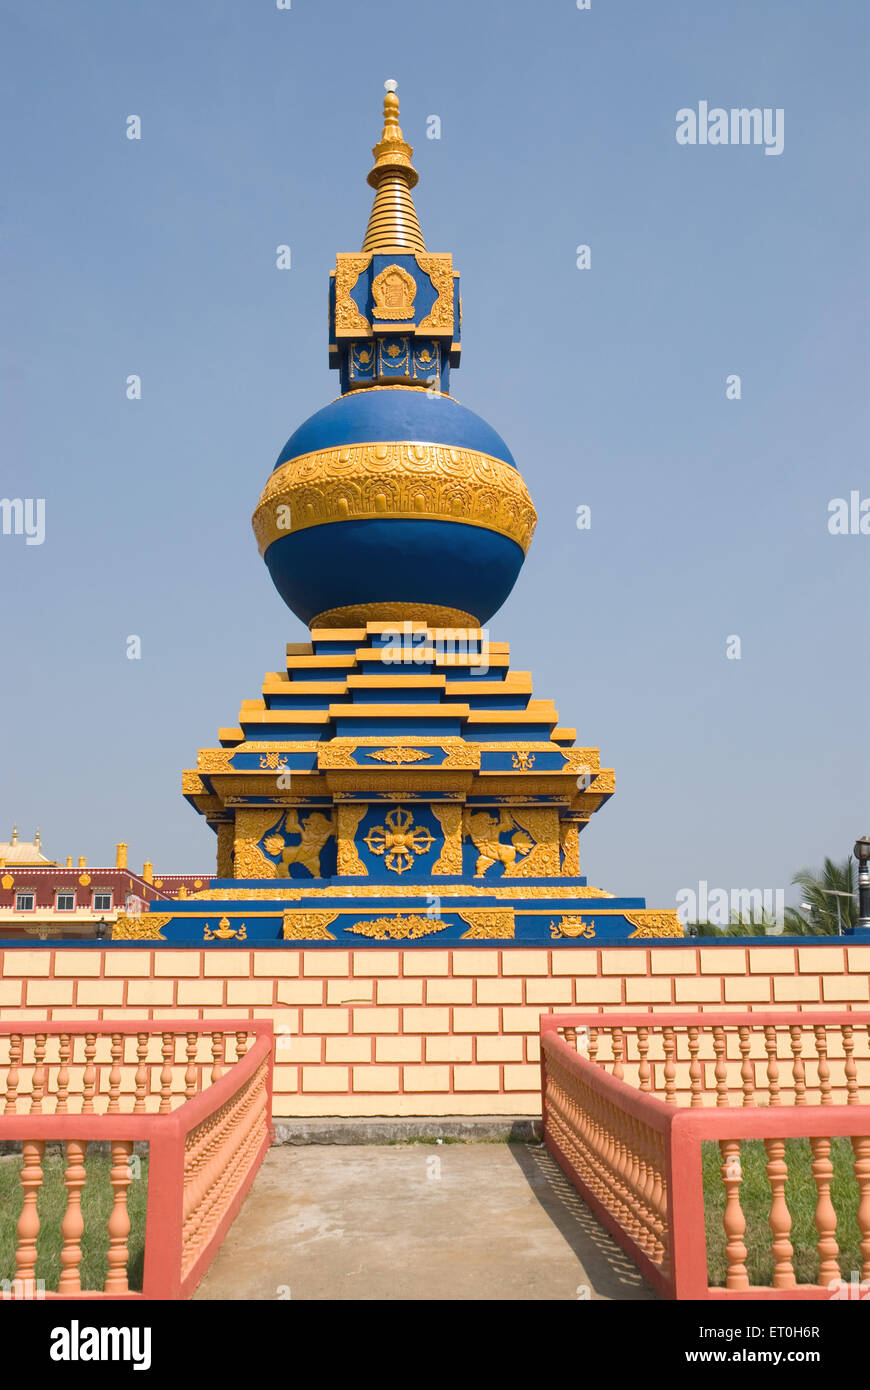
{"x": 372, "y": 416}
{"x": 394, "y": 503}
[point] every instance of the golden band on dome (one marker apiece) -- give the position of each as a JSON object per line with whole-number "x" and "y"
{"x": 358, "y": 614}
{"x": 432, "y": 482}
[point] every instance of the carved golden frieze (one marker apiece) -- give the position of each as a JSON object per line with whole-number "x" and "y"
{"x": 399, "y": 479}
{"x": 487, "y": 923}
{"x": 215, "y": 759}
{"x": 146, "y": 927}
{"x": 308, "y": 926}
{"x": 649, "y": 922}
{"x": 399, "y": 928}
{"x": 191, "y": 784}
{"x": 569, "y": 843}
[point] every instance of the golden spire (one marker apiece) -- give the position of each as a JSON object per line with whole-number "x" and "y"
{"x": 393, "y": 225}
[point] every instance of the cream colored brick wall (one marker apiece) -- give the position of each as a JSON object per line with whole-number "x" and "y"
{"x": 419, "y": 1032}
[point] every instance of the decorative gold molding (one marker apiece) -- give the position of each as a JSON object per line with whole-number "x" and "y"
{"x": 146, "y": 927}
{"x": 308, "y": 926}
{"x": 649, "y": 922}
{"x": 487, "y": 923}
{"x": 399, "y": 928}
{"x": 191, "y": 784}
{"x": 398, "y": 479}
{"x": 215, "y": 759}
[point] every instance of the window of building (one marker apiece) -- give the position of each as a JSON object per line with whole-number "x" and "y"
{"x": 102, "y": 902}
{"x": 24, "y": 902}
{"x": 66, "y": 902}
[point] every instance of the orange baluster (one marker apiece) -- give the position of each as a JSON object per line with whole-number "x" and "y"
{"x": 119, "y": 1220}
{"x": 798, "y": 1067}
{"x": 824, "y": 1069}
{"x": 142, "y": 1073}
{"x": 670, "y": 1046}
{"x": 644, "y": 1072}
{"x": 89, "y": 1081}
{"x": 16, "y": 1044}
{"x": 780, "y": 1216}
{"x": 721, "y": 1068}
{"x": 733, "y": 1219}
{"x": 115, "y": 1074}
{"x": 826, "y": 1216}
{"x": 37, "y": 1090}
{"x": 695, "y": 1070}
{"x": 168, "y": 1053}
{"x": 73, "y": 1224}
{"x": 772, "y": 1064}
{"x": 618, "y": 1052}
{"x": 747, "y": 1070}
{"x": 861, "y": 1147}
{"x": 852, "y": 1093}
{"x": 217, "y": 1054}
{"x": 65, "y": 1053}
{"x": 242, "y": 1044}
{"x": 32, "y": 1152}
{"x": 190, "y": 1074}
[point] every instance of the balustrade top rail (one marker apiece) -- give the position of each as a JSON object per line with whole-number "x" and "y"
{"x": 108, "y": 1067}
{"x": 724, "y": 1059}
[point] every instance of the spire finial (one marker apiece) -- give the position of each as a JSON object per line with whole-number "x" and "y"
{"x": 15, "y": 835}
{"x": 393, "y": 225}
{"x": 36, "y": 839}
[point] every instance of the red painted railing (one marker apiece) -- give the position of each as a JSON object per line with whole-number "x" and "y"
{"x": 629, "y": 1099}
{"x": 198, "y": 1093}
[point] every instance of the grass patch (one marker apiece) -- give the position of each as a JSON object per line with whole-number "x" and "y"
{"x": 51, "y": 1205}
{"x": 800, "y": 1196}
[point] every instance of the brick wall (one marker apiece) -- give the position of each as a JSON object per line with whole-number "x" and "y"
{"x": 416, "y": 1031}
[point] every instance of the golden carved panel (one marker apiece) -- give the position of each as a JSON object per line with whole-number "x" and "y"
{"x": 449, "y": 817}
{"x": 542, "y": 861}
{"x": 146, "y": 927}
{"x": 399, "y": 928}
{"x": 308, "y": 926}
{"x": 649, "y": 922}
{"x": 569, "y": 843}
{"x": 349, "y": 863}
{"x": 488, "y": 923}
{"x": 349, "y": 321}
{"x": 399, "y": 479}
{"x": 439, "y": 267}
{"x": 393, "y": 292}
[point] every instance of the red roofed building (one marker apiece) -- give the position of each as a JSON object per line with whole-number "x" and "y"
{"x": 41, "y": 898}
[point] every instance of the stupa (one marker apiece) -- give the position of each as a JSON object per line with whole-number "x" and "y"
{"x": 396, "y": 781}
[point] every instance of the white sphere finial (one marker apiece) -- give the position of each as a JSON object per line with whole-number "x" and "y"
{"x": 390, "y": 85}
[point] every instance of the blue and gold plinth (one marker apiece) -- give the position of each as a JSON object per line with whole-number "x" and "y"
{"x": 396, "y": 781}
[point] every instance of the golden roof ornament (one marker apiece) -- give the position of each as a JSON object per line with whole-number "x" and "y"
{"x": 393, "y": 226}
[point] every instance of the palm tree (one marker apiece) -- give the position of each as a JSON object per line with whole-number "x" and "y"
{"x": 830, "y": 900}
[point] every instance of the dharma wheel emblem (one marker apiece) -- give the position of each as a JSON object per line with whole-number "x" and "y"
{"x": 399, "y": 840}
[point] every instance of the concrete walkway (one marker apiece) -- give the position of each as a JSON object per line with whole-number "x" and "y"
{"x": 417, "y": 1221}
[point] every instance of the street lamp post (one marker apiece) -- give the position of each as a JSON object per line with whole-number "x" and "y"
{"x": 862, "y": 854}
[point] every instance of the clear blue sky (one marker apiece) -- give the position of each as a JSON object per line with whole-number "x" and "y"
{"x": 709, "y": 516}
